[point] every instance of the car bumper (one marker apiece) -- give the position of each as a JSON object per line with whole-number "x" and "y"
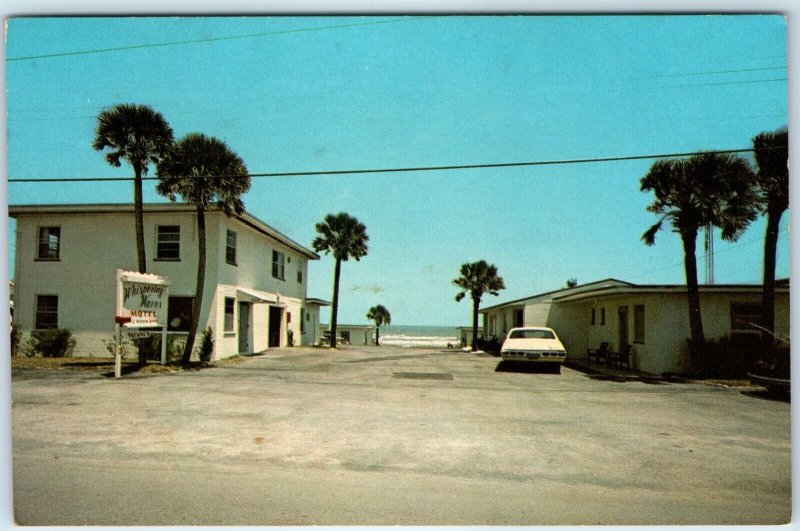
{"x": 533, "y": 357}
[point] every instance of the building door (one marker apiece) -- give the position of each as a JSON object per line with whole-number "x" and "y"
{"x": 623, "y": 326}
{"x": 275, "y": 317}
{"x": 518, "y": 318}
{"x": 244, "y": 327}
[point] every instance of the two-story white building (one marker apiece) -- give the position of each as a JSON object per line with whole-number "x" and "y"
{"x": 255, "y": 283}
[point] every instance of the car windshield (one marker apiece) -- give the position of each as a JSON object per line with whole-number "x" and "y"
{"x": 532, "y": 334}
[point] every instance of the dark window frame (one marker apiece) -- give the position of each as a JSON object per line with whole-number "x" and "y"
{"x": 278, "y": 265}
{"x": 229, "y": 327}
{"x": 164, "y": 246}
{"x": 176, "y": 309}
{"x": 230, "y": 250}
{"x": 639, "y": 333}
{"x": 603, "y": 316}
{"x": 48, "y": 236}
{"x": 45, "y": 312}
{"x": 593, "y": 317}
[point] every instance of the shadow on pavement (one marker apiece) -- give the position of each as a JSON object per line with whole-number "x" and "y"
{"x": 525, "y": 367}
{"x": 766, "y": 394}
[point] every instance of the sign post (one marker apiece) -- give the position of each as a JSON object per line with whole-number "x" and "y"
{"x": 141, "y": 303}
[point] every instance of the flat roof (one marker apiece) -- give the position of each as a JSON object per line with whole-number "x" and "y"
{"x": 113, "y": 208}
{"x": 665, "y": 288}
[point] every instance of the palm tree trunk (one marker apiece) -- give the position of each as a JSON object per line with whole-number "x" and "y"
{"x": 335, "y": 306}
{"x": 690, "y": 264}
{"x": 139, "y": 214}
{"x": 377, "y": 336}
{"x": 475, "y": 304}
{"x": 201, "y": 280}
{"x": 768, "y": 296}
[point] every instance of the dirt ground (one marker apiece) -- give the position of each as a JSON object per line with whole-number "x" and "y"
{"x": 382, "y": 436}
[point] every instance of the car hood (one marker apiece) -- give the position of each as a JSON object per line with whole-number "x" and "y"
{"x": 532, "y": 344}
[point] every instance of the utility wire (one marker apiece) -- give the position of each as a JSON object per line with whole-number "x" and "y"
{"x": 411, "y": 169}
{"x": 210, "y": 39}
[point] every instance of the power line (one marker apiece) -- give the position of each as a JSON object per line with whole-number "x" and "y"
{"x": 409, "y": 169}
{"x": 210, "y": 39}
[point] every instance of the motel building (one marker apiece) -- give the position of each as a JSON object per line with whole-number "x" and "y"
{"x": 652, "y": 319}
{"x": 67, "y": 257}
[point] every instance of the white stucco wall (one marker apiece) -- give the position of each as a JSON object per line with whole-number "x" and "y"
{"x": 94, "y": 245}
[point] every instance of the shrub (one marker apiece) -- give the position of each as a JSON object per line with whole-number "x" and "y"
{"x": 290, "y": 337}
{"x": 15, "y": 337}
{"x": 123, "y": 348}
{"x": 725, "y": 357}
{"x": 151, "y": 346}
{"x": 52, "y": 343}
{"x": 206, "y": 348}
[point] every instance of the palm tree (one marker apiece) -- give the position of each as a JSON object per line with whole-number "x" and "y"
{"x": 204, "y": 171}
{"x": 345, "y": 237}
{"x": 140, "y": 135}
{"x": 772, "y": 180}
{"x": 708, "y": 189}
{"x": 476, "y": 279}
{"x": 381, "y": 316}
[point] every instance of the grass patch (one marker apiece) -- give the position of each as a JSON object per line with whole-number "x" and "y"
{"x": 104, "y": 365}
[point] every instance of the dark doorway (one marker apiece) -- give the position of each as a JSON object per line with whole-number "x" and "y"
{"x": 518, "y": 318}
{"x": 275, "y": 315}
{"x": 244, "y": 327}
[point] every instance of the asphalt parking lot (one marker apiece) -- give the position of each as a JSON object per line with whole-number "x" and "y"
{"x": 381, "y": 436}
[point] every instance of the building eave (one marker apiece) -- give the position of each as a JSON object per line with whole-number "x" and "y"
{"x": 524, "y": 300}
{"x": 663, "y": 289}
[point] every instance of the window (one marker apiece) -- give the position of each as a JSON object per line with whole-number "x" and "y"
{"x": 638, "y": 323}
{"x": 743, "y": 315}
{"x": 46, "y": 311}
{"x": 278, "y": 264}
{"x": 229, "y": 305}
{"x": 168, "y": 245}
{"x": 518, "y": 318}
{"x": 602, "y": 316}
{"x": 49, "y": 243}
{"x": 593, "y": 316}
{"x": 230, "y": 248}
{"x": 299, "y": 276}
{"x": 179, "y": 313}
{"x": 532, "y": 334}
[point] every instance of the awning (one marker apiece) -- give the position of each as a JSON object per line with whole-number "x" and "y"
{"x": 252, "y": 295}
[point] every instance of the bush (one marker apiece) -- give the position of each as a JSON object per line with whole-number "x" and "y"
{"x": 290, "y": 338}
{"x": 206, "y": 348}
{"x": 52, "y": 343}
{"x": 725, "y": 357}
{"x": 151, "y": 346}
{"x": 15, "y": 337}
{"x": 123, "y": 348}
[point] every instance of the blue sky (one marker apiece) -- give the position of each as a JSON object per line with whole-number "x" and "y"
{"x": 324, "y": 93}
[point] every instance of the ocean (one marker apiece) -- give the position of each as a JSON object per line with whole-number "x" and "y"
{"x": 419, "y": 336}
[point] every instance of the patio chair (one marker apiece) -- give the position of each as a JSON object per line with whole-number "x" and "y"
{"x": 623, "y": 356}
{"x": 597, "y": 353}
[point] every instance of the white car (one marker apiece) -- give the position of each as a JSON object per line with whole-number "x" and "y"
{"x": 535, "y": 344}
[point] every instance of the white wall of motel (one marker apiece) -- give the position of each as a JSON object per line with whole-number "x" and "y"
{"x": 249, "y": 305}
{"x": 654, "y": 319}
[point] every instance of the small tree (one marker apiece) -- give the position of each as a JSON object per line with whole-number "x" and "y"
{"x": 345, "y": 237}
{"x": 140, "y": 135}
{"x": 206, "y": 348}
{"x": 572, "y": 282}
{"x": 772, "y": 180}
{"x": 206, "y": 172}
{"x": 381, "y": 316}
{"x": 476, "y": 279}
{"x": 708, "y": 189}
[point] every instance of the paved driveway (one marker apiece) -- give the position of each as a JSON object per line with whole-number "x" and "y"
{"x": 392, "y": 436}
